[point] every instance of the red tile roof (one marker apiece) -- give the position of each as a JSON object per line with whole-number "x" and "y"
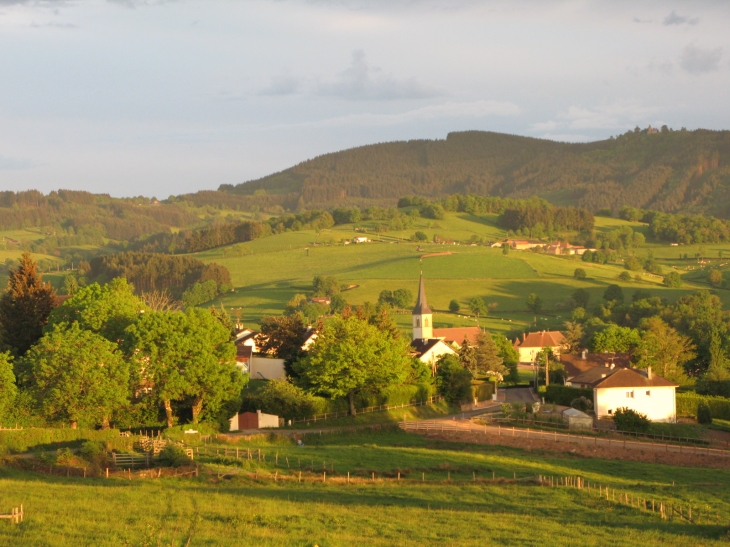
{"x": 457, "y": 334}
{"x": 542, "y": 339}
{"x": 576, "y": 364}
{"x": 631, "y": 377}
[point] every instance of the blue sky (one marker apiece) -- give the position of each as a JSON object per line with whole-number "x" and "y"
{"x": 163, "y": 97}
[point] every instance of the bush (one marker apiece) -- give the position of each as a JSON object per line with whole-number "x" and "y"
{"x": 454, "y": 306}
{"x": 627, "y": 419}
{"x": 482, "y": 391}
{"x": 673, "y": 279}
{"x": 582, "y": 403}
{"x": 565, "y": 395}
{"x": 173, "y": 456}
{"x": 93, "y": 450}
{"x": 506, "y": 409}
{"x": 453, "y": 380}
{"x": 579, "y": 273}
{"x": 688, "y": 405}
{"x": 624, "y": 276}
{"x": 704, "y": 414}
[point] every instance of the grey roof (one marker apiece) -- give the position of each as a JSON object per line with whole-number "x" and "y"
{"x": 421, "y": 305}
{"x": 421, "y": 346}
{"x": 574, "y": 412}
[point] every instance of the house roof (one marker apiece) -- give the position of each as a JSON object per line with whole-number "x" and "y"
{"x": 576, "y": 364}
{"x": 421, "y": 305}
{"x": 458, "y": 334}
{"x": 421, "y": 346}
{"x": 245, "y": 335}
{"x": 542, "y": 339}
{"x": 574, "y": 412}
{"x": 631, "y": 377}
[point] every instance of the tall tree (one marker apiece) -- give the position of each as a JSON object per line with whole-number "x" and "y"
{"x": 350, "y": 356}
{"x": 24, "y": 307}
{"x": 664, "y": 349}
{"x": 573, "y": 336}
{"x": 77, "y": 376}
{"x": 478, "y": 307}
{"x": 468, "y": 355}
{"x": 284, "y": 336}
{"x": 487, "y": 357}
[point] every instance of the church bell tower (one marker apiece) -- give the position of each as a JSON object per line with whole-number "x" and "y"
{"x": 422, "y": 316}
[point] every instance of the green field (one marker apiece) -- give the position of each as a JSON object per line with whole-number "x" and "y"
{"x": 267, "y": 272}
{"x": 229, "y": 507}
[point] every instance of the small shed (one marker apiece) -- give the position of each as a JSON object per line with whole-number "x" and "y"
{"x": 577, "y": 419}
{"x": 253, "y": 420}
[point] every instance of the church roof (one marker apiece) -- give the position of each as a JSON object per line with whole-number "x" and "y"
{"x": 421, "y": 305}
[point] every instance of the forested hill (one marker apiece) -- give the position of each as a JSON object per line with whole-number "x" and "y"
{"x": 673, "y": 171}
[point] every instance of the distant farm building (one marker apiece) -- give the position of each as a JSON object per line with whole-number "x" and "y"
{"x": 253, "y": 420}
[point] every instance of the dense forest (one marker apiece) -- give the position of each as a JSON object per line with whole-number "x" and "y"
{"x": 670, "y": 171}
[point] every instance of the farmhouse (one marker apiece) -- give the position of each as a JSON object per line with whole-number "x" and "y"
{"x": 425, "y": 346}
{"x": 456, "y": 336}
{"x": 640, "y": 390}
{"x": 534, "y": 342}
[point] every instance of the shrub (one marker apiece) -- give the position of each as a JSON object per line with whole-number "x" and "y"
{"x": 624, "y": 276}
{"x": 627, "y": 419}
{"x": 482, "y": 391}
{"x": 93, "y": 450}
{"x": 565, "y": 395}
{"x": 579, "y": 273}
{"x": 453, "y": 380}
{"x": 673, "y": 279}
{"x": 506, "y": 409}
{"x": 688, "y": 405}
{"x": 454, "y": 306}
{"x": 582, "y": 403}
{"x": 704, "y": 414}
{"x": 173, "y": 456}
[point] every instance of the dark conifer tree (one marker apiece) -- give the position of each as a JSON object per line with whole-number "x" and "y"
{"x": 25, "y": 306}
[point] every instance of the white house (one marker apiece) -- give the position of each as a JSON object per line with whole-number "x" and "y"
{"x": 534, "y": 342}
{"x": 361, "y": 239}
{"x": 640, "y": 390}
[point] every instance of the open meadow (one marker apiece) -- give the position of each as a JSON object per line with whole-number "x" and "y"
{"x": 436, "y": 501}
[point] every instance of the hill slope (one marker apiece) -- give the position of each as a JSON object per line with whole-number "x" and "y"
{"x": 673, "y": 171}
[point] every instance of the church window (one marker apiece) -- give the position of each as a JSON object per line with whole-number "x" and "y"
{"x": 425, "y": 322}
{"x": 418, "y": 322}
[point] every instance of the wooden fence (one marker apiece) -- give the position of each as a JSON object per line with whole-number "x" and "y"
{"x": 368, "y": 410}
{"x": 465, "y": 426}
{"x": 15, "y": 516}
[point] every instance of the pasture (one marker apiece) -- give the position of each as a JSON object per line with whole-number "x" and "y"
{"x": 228, "y": 506}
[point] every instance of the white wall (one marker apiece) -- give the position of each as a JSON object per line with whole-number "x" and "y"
{"x": 269, "y": 368}
{"x": 268, "y": 420}
{"x": 528, "y": 355}
{"x": 659, "y": 405}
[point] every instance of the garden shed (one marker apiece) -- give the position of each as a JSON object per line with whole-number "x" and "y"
{"x": 577, "y": 419}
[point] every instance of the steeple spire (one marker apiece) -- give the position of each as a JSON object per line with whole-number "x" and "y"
{"x": 421, "y": 305}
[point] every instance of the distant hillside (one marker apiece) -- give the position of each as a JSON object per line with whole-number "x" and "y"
{"x": 672, "y": 171}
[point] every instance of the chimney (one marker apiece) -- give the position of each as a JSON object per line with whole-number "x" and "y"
{"x": 648, "y": 373}
{"x": 583, "y": 355}
{"x": 258, "y": 412}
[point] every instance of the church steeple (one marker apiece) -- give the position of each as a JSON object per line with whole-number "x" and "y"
{"x": 422, "y": 315}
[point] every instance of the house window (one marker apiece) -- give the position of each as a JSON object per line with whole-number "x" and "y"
{"x": 648, "y": 393}
{"x": 610, "y": 411}
{"x": 629, "y": 394}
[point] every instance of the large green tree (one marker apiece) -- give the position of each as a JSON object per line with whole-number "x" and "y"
{"x": 104, "y": 309}
{"x": 283, "y": 336}
{"x": 488, "y": 360}
{"x": 77, "y": 376}
{"x": 24, "y": 307}
{"x": 184, "y": 356}
{"x": 351, "y": 355}
{"x": 664, "y": 349}
{"x": 615, "y": 338}
{"x": 453, "y": 380}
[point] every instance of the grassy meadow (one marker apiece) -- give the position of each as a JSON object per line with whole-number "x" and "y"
{"x": 226, "y": 506}
{"x": 267, "y": 272}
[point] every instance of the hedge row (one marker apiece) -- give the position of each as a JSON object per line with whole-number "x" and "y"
{"x": 483, "y": 391}
{"x": 24, "y": 440}
{"x": 687, "y": 404}
{"x": 564, "y": 395}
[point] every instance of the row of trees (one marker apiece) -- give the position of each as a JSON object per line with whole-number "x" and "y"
{"x": 106, "y": 356}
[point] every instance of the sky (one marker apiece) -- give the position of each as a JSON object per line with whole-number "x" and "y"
{"x": 165, "y": 97}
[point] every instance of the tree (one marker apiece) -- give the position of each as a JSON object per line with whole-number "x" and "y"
{"x": 420, "y": 236}
{"x": 714, "y": 277}
{"x": 453, "y": 380}
{"x": 184, "y": 355}
{"x": 579, "y": 273}
{"x": 402, "y": 298}
{"x": 325, "y": 286}
{"x": 664, "y": 349}
{"x": 581, "y": 298}
{"x": 350, "y": 356}
{"x": 488, "y": 361}
{"x": 624, "y": 276}
{"x": 704, "y": 413}
{"x": 385, "y": 298}
{"x": 70, "y": 285}
{"x": 77, "y": 376}
{"x": 614, "y": 293}
{"x": 505, "y": 249}
{"x": 509, "y": 355}
{"x": 454, "y": 306}
{"x": 337, "y": 303}
{"x": 106, "y": 310}
{"x": 160, "y": 300}
{"x": 573, "y": 336}
{"x": 468, "y": 355}
{"x": 477, "y": 306}
{"x": 534, "y": 303}
{"x": 8, "y": 389}
{"x": 672, "y": 279}
{"x": 284, "y": 336}
{"x": 615, "y": 339}
{"x": 24, "y": 307}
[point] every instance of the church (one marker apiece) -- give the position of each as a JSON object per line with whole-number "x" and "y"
{"x": 430, "y": 344}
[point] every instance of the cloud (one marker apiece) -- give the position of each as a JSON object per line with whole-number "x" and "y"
{"x": 697, "y": 61}
{"x": 637, "y": 20}
{"x": 54, "y": 25}
{"x": 282, "y": 85}
{"x": 675, "y": 19}
{"x": 567, "y": 137}
{"x": 16, "y": 164}
{"x": 360, "y": 81}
